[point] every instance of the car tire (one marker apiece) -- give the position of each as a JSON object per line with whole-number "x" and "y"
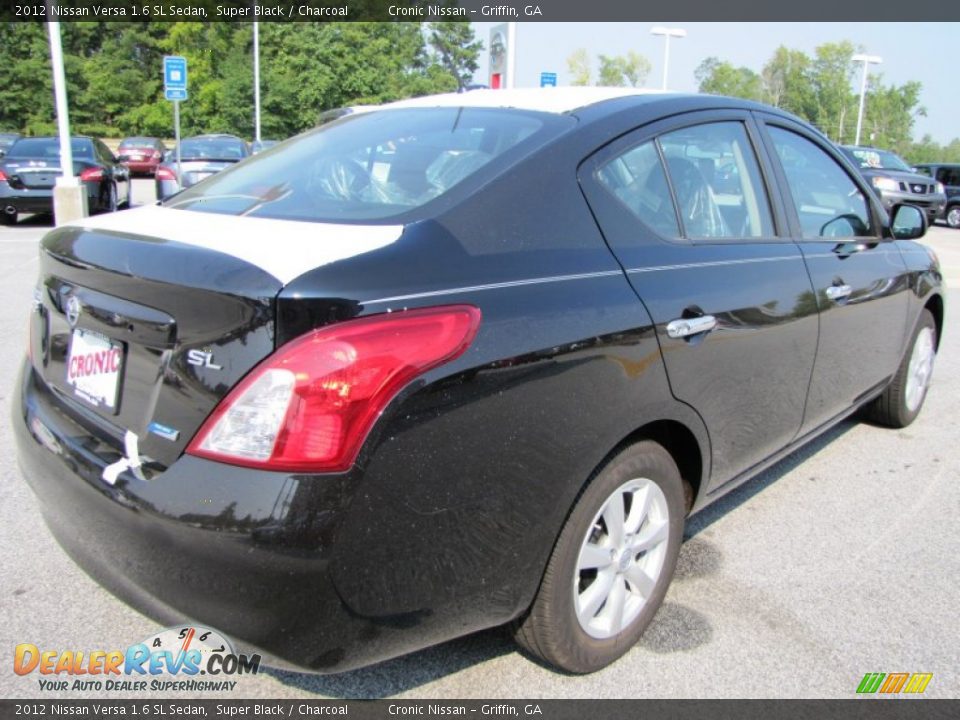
{"x": 903, "y": 398}
{"x": 952, "y": 216}
{"x": 583, "y": 618}
{"x": 111, "y": 204}
{"x": 8, "y": 218}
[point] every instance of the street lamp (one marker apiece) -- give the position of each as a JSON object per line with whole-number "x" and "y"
{"x": 256, "y": 81}
{"x": 69, "y": 194}
{"x": 667, "y": 34}
{"x": 866, "y": 60}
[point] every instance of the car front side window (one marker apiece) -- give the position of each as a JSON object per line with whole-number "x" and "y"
{"x": 829, "y": 203}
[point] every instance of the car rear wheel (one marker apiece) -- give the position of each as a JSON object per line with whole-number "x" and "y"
{"x": 902, "y": 400}
{"x": 612, "y": 563}
{"x": 953, "y": 216}
{"x": 111, "y": 204}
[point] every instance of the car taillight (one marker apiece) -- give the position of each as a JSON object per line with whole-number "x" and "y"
{"x": 156, "y": 154}
{"x": 166, "y": 174}
{"x": 93, "y": 173}
{"x": 3, "y": 177}
{"x": 310, "y": 405}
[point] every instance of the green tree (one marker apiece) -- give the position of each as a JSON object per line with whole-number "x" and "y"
{"x": 578, "y": 65}
{"x": 831, "y": 76}
{"x": 890, "y": 113}
{"x": 722, "y": 78}
{"x": 623, "y": 70}
{"x": 786, "y": 81}
{"x": 457, "y": 48}
{"x": 26, "y": 94}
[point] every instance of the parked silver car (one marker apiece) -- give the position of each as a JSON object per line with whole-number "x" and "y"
{"x": 200, "y": 157}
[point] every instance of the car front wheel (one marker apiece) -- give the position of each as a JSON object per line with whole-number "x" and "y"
{"x": 953, "y": 216}
{"x": 612, "y": 563}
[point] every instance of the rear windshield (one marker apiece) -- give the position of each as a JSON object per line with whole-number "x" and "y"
{"x": 372, "y": 165}
{"x": 138, "y": 142}
{"x": 212, "y": 149}
{"x": 877, "y": 159}
{"x": 48, "y": 148}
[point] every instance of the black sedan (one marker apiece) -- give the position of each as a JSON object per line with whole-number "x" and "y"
{"x": 31, "y": 166}
{"x": 200, "y": 157}
{"x": 459, "y": 362}
{"x": 6, "y": 140}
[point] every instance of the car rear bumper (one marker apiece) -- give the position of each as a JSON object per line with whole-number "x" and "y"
{"x": 26, "y": 201}
{"x": 244, "y": 551}
{"x": 39, "y": 200}
{"x": 147, "y": 167}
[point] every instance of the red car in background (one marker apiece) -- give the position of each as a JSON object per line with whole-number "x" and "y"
{"x": 141, "y": 154}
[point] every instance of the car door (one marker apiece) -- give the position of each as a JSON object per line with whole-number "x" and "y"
{"x": 684, "y": 206}
{"x": 859, "y": 278}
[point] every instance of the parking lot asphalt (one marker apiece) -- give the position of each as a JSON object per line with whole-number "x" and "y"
{"x": 842, "y": 559}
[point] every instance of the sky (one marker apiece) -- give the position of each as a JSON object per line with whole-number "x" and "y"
{"x": 910, "y": 51}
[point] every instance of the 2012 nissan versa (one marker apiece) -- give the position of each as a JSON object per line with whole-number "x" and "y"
{"x": 459, "y": 362}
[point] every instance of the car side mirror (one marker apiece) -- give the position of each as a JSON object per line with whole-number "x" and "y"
{"x": 908, "y": 222}
{"x": 844, "y": 226}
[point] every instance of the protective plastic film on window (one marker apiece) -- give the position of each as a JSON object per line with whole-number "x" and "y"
{"x": 717, "y": 182}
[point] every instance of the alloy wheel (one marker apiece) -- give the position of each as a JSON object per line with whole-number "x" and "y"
{"x": 621, "y": 558}
{"x": 920, "y": 368}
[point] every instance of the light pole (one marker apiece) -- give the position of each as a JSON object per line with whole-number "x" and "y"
{"x": 256, "y": 80}
{"x": 667, "y": 33}
{"x": 69, "y": 194}
{"x": 866, "y": 60}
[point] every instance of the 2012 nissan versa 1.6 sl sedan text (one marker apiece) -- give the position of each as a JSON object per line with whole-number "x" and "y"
{"x": 458, "y": 362}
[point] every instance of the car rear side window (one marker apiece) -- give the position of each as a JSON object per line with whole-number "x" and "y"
{"x": 370, "y": 165}
{"x": 715, "y": 179}
{"x": 828, "y": 202}
{"x": 638, "y": 181}
{"x": 49, "y": 148}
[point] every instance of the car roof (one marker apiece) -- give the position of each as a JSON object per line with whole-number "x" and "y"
{"x": 209, "y": 136}
{"x": 552, "y": 100}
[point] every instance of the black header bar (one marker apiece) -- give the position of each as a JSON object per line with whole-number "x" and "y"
{"x": 475, "y": 10}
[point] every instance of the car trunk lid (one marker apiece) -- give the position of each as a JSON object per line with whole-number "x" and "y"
{"x": 145, "y": 319}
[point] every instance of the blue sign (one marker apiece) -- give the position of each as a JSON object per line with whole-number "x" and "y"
{"x": 175, "y": 77}
{"x": 548, "y": 79}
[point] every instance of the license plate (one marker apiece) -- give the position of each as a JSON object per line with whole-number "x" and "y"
{"x": 94, "y": 367}
{"x": 136, "y": 157}
{"x": 197, "y": 177}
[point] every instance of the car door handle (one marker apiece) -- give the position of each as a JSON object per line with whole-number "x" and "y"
{"x": 849, "y": 248}
{"x": 838, "y": 292}
{"x": 688, "y": 327}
